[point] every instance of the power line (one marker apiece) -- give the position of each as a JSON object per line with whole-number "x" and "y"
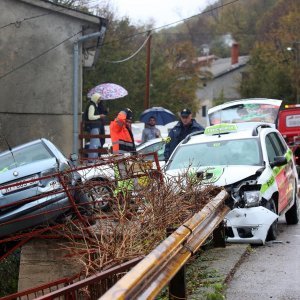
{"x": 38, "y": 56}
{"x": 139, "y": 33}
{"x": 176, "y": 22}
{"x": 182, "y": 20}
{"x": 197, "y": 15}
{"x": 19, "y": 22}
{"x": 134, "y": 54}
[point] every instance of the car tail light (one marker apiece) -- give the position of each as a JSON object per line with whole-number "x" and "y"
{"x": 47, "y": 179}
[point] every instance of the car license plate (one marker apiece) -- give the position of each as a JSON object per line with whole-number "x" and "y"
{"x": 20, "y": 185}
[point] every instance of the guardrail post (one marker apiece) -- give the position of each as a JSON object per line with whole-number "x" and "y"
{"x": 177, "y": 285}
{"x": 219, "y": 236}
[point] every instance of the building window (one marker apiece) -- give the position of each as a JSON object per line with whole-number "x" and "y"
{"x": 204, "y": 111}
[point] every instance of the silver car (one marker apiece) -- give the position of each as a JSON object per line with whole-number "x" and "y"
{"x": 36, "y": 183}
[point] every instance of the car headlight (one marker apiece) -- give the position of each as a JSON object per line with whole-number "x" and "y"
{"x": 251, "y": 198}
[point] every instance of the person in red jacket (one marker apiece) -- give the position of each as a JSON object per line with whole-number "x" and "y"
{"x": 121, "y": 134}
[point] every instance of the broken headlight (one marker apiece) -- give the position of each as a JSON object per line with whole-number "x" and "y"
{"x": 251, "y": 198}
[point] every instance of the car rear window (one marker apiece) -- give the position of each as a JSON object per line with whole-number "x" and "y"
{"x": 293, "y": 121}
{"x": 23, "y": 156}
{"x": 245, "y": 113}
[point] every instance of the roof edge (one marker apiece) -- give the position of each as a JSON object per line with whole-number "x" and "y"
{"x": 65, "y": 10}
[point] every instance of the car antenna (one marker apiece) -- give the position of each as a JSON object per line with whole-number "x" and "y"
{"x": 8, "y": 145}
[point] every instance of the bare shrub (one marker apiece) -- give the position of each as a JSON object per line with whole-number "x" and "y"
{"x": 138, "y": 218}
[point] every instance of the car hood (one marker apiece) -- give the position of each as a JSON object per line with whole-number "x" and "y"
{"x": 219, "y": 175}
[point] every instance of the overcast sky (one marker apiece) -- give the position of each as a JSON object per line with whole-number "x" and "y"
{"x": 162, "y": 11}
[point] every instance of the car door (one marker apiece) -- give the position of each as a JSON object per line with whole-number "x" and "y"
{"x": 283, "y": 174}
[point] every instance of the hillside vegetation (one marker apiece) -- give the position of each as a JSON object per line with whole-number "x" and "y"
{"x": 264, "y": 30}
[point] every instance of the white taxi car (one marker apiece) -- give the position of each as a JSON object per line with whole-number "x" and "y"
{"x": 256, "y": 167}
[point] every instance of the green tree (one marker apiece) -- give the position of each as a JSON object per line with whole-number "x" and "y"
{"x": 10, "y": 265}
{"x": 240, "y": 21}
{"x": 174, "y": 73}
{"x": 273, "y": 71}
{"x": 69, "y": 2}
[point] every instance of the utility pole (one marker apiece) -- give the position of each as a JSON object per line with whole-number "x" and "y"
{"x": 148, "y": 62}
{"x": 295, "y": 48}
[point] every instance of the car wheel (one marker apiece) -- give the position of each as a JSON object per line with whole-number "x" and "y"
{"x": 292, "y": 215}
{"x": 99, "y": 195}
{"x": 272, "y": 233}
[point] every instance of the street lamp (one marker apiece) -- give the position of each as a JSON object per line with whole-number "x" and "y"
{"x": 295, "y": 48}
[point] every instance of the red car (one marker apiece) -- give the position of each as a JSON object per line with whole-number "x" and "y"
{"x": 289, "y": 127}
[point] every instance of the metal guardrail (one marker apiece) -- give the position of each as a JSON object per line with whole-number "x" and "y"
{"x": 93, "y": 286}
{"x": 152, "y": 274}
{"x": 145, "y": 278}
{"x": 41, "y": 290}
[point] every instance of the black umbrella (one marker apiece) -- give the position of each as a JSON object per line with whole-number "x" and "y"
{"x": 163, "y": 116}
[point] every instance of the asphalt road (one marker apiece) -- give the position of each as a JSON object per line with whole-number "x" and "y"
{"x": 271, "y": 271}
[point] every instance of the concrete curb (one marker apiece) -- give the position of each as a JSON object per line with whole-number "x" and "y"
{"x": 212, "y": 269}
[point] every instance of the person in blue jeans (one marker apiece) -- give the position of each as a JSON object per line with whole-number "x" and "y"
{"x": 183, "y": 128}
{"x": 96, "y": 113}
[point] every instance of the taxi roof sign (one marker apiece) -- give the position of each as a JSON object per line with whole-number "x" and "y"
{"x": 220, "y": 129}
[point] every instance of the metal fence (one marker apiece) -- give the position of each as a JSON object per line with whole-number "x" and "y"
{"x": 145, "y": 278}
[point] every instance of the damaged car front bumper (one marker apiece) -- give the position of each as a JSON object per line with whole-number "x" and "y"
{"x": 249, "y": 225}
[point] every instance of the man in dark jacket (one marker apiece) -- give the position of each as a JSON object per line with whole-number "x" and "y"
{"x": 183, "y": 128}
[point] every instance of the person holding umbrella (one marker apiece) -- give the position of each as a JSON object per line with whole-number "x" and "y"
{"x": 95, "y": 114}
{"x": 150, "y": 131}
{"x": 183, "y": 128}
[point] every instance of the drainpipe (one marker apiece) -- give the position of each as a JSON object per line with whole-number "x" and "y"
{"x": 75, "y": 81}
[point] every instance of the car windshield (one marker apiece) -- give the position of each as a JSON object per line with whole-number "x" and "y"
{"x": 22, "y": 156}
{"x": 231, "y": 152}
{"x": 157, "y": 147}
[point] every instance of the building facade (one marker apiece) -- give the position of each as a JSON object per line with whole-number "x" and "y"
{"x": 226, "y": 76}
{"x": 37, "y": 70}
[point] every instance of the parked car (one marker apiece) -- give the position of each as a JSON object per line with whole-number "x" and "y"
{"x": 103, "y": 175}
{"x": 289, "y": 127}
{"x": 254, "y": 164}
{"x": 156, "y": 145}
{"x": 30, "y": 191}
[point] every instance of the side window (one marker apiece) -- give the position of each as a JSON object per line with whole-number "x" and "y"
{"x": 270, "y": 149}
{"x": 280, "y": 149}
{"x": 282, "y": 141}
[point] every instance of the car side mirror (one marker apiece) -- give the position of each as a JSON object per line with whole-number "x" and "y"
{"x": 74, "y": 157}
{"x": 278, "y": 161}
